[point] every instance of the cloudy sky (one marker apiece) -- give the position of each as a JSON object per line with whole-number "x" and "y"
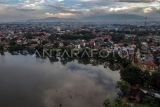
{"x": 15, "y": 10}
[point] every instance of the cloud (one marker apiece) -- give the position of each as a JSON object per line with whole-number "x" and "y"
{"x": 13, "y": 13}
{"x": 74, "y": 8}
{"x": 137, "y": 1}
{"x": 118, "y": 9}
{"x": 147, "y": 10}
{"x": 60, "y": 15}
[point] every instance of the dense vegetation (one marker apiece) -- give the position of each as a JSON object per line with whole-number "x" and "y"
{"x": 83, "y": 35}
{"x": 133, "y": 76}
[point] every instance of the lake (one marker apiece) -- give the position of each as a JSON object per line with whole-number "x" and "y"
{"x": 26, "y": 81}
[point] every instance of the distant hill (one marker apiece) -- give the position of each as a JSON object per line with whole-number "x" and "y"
{"x": 115, "y": 17}
{"x": 108, "y": 18}
{"x": 52, "y": 19}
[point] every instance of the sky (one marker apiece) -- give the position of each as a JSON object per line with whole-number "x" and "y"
{"x": 16, "y": 10}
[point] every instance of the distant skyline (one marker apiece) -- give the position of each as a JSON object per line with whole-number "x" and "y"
{"x": 22, "y": 10}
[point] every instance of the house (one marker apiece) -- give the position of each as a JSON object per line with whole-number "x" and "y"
{"x": 78, "y": 46}
{"x": 130, "y": 36}
{"x": 149, "y": 65}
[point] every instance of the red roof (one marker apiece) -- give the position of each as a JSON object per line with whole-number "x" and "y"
{"x": 149, "y": 63}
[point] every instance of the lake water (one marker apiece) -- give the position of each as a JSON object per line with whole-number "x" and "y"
{"x": 26, "y": 81}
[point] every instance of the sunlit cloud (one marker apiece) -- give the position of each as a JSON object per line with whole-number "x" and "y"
{"x": 118, "y": 9}
{"x": 49, "y": 14}
{"x": 60, "y": 15}
{"x": 66, "y": 14}
{"x": 147, "y": 10}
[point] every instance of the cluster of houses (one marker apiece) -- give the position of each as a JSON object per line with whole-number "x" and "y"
{"x": 48, "y": 36}
{"x": 144, "y": 56}
{"x": 150, "y": 45}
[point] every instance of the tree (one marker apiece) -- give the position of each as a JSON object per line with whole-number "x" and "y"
{"x": 1, "y": 48}
{"x": 117, "y": 37}
{"x": 116, "y": 103}
{"x": 124, "y": 62}
{"x": 146, "y": 77}
{"x": 124, "y": 87}
{"x": 12, "y": 45}
{"x": 132, "y": 75}
{"x": 106, "y": 103}
{"x": 155, "y": 80}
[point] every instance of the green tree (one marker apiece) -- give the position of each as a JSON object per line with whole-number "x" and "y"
{"x": 124, "y": 87}
{"x": 146, "y": 77}
{"x": 155, "y": 80}
{"x": 1, "y": 48}
{"x": 106, "y": 103}
{"x": 117, "y": 37}
{"x": 132, "y": 75}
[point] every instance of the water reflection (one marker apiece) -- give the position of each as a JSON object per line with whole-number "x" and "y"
{"x": 29, "y": 82}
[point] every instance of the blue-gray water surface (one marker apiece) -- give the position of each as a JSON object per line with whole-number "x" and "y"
{"x": 26, "y": 81}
